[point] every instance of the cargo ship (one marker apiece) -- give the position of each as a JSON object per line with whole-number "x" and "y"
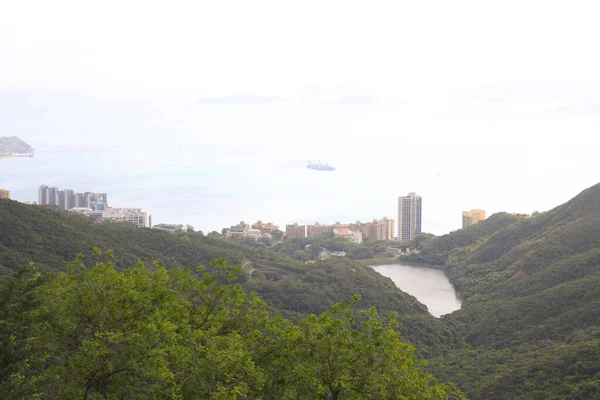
{"x": 320, "y": 166}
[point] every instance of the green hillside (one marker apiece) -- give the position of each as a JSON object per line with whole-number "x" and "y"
{"x": 52, "y": 239}
{"x": 532, "y": 303}
{"x": 13, "y": 144}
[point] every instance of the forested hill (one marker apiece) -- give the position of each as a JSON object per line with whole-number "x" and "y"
{"x": 52, "y": 239}
{"x": 532, "y": 309}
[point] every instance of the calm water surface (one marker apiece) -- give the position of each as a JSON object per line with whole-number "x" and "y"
{"x": 429, "y": 285}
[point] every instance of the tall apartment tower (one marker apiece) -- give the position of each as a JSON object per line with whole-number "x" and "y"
{"x": 472, "y": 217}
{"x": 52, "y": 195}
{"x": 409, "y": 216}
{"x": 68, "y": 200}
{"x": 42, "y": 196}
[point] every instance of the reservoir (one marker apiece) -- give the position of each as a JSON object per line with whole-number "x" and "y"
{"x": 429, "y": 285}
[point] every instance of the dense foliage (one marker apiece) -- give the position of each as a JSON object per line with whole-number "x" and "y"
{"x": 532, "y": 303}
{"x": 13, "y": 144}
{"x": 291, "y": 288}
{"x": 310, "y": 248}
{"x": 96, "y": 333}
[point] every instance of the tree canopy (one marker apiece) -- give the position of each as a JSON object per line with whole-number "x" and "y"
{"x": 96, "y": 333}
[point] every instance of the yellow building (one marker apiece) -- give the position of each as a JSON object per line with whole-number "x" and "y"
{"x": 472, "y": 217}
{"x": 4, "y": 194}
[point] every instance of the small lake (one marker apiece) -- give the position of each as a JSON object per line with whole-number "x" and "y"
{"x": 429, "y": 285}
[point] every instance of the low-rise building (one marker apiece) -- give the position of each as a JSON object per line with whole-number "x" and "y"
{"x": 253, "y": 233}
{"x": 171, "y": 227}
{"x": 135, "y": 216}
{"x": 4, "y": 194}
{"x": 346, "y": 233}
{"x": 265, "y": 227}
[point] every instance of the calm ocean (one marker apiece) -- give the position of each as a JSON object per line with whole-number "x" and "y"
{"x": 213, "y": 165}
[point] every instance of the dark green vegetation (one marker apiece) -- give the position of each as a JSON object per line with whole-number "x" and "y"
{"x": 291, "y": 288}
{"x": 96, "y": 333}
{"x": 13, "y": 144}
{"x": 529, "y": 327}
{"x": 310, "y": 248}
{"x": 532, "y": 303}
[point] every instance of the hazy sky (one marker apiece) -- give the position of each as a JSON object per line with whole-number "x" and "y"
{"x": 502, "y": 97}
{"x": 411, "y": 49}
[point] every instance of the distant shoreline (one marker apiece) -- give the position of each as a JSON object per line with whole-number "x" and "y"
{"x": 413, "y": 264}
{"x": 18, "y": 155}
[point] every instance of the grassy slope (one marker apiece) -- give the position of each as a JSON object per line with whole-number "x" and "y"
{"x": 52, "y": 239}
{"x": 532, "y": 309}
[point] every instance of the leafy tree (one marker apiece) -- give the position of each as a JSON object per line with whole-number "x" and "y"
{"x": 96, "y": 333}
{"x": 21, "y": 312}
{"x": 345, "y": 354}
{"x": 277, "y": 235}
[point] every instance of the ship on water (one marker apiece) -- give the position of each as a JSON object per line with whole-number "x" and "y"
{"x": 319, "y": 165}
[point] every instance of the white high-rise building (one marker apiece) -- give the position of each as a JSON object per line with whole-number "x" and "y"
{"x": 409, "y": 216}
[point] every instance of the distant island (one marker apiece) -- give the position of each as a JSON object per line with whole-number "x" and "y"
{"x": 14, "y": 147}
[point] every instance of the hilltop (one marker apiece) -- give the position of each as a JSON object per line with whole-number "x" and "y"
{"x": 52, "y": 239}
{"x": 531, "y": 313}
{"x": 13, "y": 144}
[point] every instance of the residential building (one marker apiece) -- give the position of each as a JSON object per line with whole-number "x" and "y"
{"x": 4, "y": 194}
{"x": 52, "y": 195}
{"x": 472, "y": 217}
{"x": 42, "y": 194}
{"x": 317, "y": 229}
{"x": 346, "y": 233}
{"x": 48, "y": 195}
{"x": 409, "y": 216}
{"x": 81, "y": 200}
{"x": 295, "y": 231}
{"x": 60, "y": 199}
{"x": 237, "y": 230}
{"x": 136, "y": 216}
{"x": 383, "y": 229}
{"x": 265, "y": 227}
{"x": 170, "y": 227}
{"x": 68, "y": 199}
{"x": 253, "y": 233}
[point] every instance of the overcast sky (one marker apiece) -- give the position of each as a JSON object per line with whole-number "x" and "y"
{"x": 412, "y": 49}
{"x": 503, "y": 94}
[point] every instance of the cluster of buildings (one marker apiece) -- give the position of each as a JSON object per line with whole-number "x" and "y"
{"x": 377, "y": 229}
{"x": 254, "y": 231}
{"x": 410, "y": 217}
{"x": 93, "y": 205}
{"x": 67, "y": 199}
{"x": 410, "y": 208}
{"x": 4, "y": 194}
{"x": 136, "y": 216}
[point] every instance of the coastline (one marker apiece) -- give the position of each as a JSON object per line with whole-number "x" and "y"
{"x": 413, "y": 264}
